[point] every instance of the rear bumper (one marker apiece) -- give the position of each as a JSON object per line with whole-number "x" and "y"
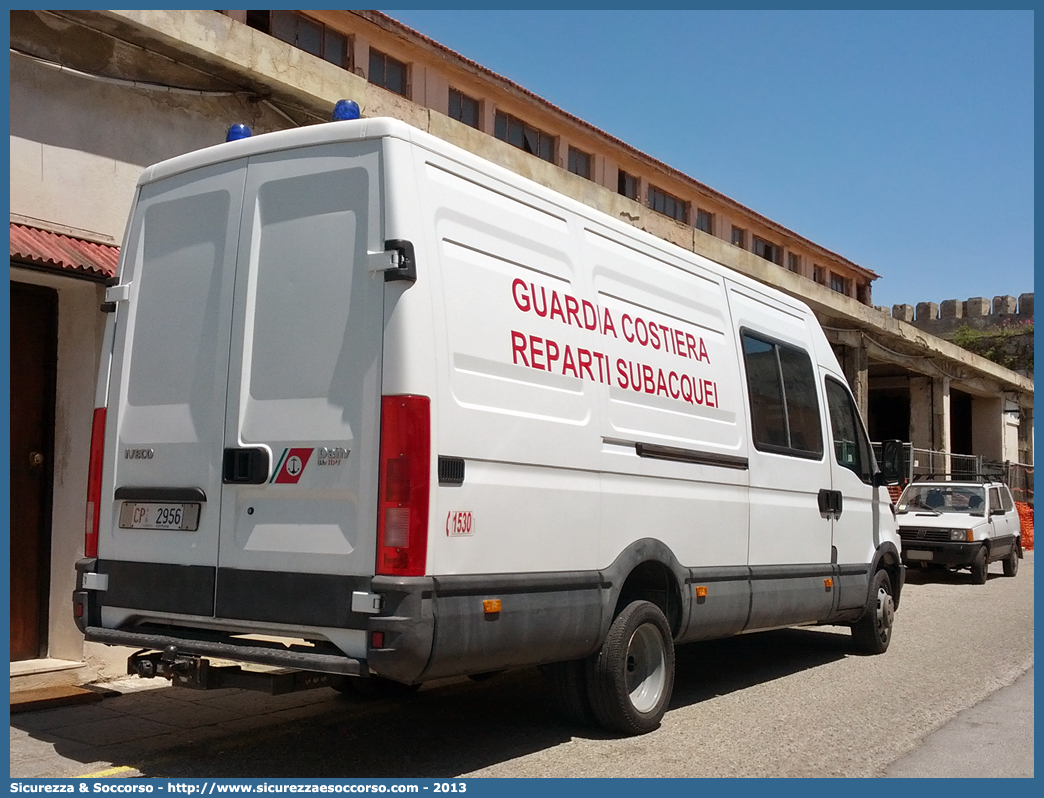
{"x": 257, "y": 654}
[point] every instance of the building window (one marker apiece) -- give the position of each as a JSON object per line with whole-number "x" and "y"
{"x": 579, "y": 163}
{"x": 819, "y": 274}
{"x": 389, "y": 73}
{"x": 739, "y": 237}
{"x": 704, "y": 221}
{"x": 464, "y": 108}
{"x": 838, "y": 283}
{"x": 518, "y": 134}
{"x": 794, "y": 263}
{"x": 627, "y": 185}
{"x": 305, "y": 34}
{"x": 668, "y": 205}
{"x": 764, "y": 249}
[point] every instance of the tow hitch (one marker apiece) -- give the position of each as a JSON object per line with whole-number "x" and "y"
{"x": 196, "y": 673}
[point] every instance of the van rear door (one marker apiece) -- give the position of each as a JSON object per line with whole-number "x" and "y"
{"x": 247, "y": 376}
{"x": 304, "y": 388}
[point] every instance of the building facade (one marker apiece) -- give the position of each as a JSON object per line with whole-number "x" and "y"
{"x": 96, "y": 96}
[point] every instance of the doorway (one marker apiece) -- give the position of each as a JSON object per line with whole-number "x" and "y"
{"x": 34, "y": 366}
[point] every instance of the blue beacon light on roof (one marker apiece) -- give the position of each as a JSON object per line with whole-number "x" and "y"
{"x": 345, "y": 110}
{"x": 237, "y": 131}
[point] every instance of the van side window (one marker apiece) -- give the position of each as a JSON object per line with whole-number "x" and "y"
{"x": 850, "y": 445}
{"x": 784, "y": 407}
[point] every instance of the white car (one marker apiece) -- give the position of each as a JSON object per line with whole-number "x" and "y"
{"x": 960, "y": 525}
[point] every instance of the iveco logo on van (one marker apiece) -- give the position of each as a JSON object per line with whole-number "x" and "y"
{"x": 138, "y": 454}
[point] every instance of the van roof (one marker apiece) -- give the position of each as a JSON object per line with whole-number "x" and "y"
{"x": 326, "y": 133}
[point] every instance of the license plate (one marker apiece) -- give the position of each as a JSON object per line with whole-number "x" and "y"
{"x": 920, "y": 555}
{"x": 160, "y": 515}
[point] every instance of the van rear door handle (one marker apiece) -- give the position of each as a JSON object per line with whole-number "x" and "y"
{"x": 245, "y": 467}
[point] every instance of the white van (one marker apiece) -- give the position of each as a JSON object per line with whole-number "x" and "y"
{"x": 371, "y": 393}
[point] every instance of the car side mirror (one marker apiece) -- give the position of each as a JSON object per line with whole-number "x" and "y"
{"x": 891, "y": 465}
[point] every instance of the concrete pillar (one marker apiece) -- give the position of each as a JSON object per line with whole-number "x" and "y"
{"x": 854, "y": 364}
{"x": 988, "y": 424}
{"x": 930, "y": 414}
{"x": 921, "y": 412}
{"x": 941, "y": 413}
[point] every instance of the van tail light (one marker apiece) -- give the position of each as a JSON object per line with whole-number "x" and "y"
{"x": 94, "y": 480}
{"x": 402, "y": 507}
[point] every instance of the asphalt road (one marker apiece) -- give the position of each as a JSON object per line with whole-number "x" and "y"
{"x": 795, "y": 702}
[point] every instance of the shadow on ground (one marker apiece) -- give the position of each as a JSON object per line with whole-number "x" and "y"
{"x": 441, "y": 731}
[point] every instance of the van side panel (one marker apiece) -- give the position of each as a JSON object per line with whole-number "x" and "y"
{"x": 524, "y": 429}
{"x": 790, "y": 554}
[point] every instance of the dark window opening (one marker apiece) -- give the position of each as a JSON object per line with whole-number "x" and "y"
{"x": 768, "y": 251}
{"x": 704, "y": 221}
{"x": 579, "y": 163}
{"x": 389, "y": 73}
{"x": 739, "y": 237}
{"x": 667, "y": 204}
{"x": 304, "y": 33}
{"x": 464, "y": 108}
{"x": 627, "y": 185}
{"x": 518, "y": 134}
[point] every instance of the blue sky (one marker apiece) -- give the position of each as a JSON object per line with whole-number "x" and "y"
{"x": 900, "y": 140}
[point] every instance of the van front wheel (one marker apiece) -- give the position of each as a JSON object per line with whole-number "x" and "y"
{"x": 631, "y": 677}
{"x": 873, "y": 632}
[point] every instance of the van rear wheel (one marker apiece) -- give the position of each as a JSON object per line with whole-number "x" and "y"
{"x": 631, "y": 677}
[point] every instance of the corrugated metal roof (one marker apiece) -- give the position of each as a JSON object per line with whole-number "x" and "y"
{"x": 38, "y": 247}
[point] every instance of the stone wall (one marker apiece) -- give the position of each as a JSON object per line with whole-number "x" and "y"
{"x": 1001, "y": 331}
{"x": 950, "y": 315}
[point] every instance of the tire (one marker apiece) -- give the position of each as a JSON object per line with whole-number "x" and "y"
{"x": 980, "y": 568}
{"x": 1011, "y": 562}
{"x": 873, "y": 632}
{"x": 630, "y": 678}
{"x": 569, "y": 688}
{"x": 376, "y": 688}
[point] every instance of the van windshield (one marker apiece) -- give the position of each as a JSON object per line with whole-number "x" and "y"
{"x": 938, "y": 499}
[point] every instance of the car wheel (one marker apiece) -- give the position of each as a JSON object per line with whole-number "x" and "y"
{"x": 980, "y": 567}
{"x": 873, "y": 632}
{"x": 1011, "y": 563}
{"x": 630, "y": 678}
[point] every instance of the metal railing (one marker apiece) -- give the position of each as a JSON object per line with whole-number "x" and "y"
{"x": 929, "y": 462}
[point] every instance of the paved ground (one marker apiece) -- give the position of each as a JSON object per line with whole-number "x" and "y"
{"x": 799, "y": 702}
{"x": 999, "y": 731}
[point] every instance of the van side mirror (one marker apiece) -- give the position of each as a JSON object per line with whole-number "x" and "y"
{"x": 891, "y": 465}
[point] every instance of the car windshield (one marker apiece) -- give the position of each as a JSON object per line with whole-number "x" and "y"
{"x": 943, "y": 499}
